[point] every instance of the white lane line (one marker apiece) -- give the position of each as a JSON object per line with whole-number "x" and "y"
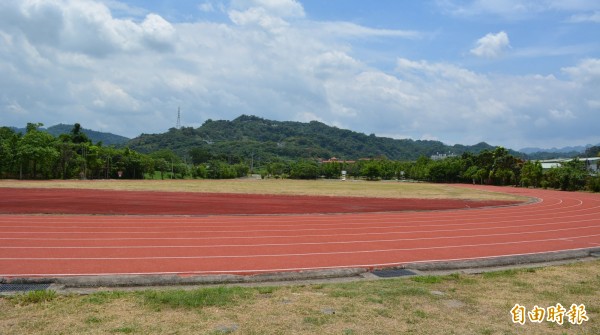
{"x": 377, "y": 220}
{"x": 318, "y": 229}
{"x": 367, "y": 222}
{"x": 305, "y": 243}
{"x": 354, "y": 252}
{"x": 286, "y": 236}
{"x": 425, "y": 217}
{"x": 251, "y": 271}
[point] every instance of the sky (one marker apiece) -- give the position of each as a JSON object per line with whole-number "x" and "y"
{"x": 513, "y": 73}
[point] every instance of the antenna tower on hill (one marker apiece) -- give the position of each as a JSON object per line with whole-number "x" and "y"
{"x": 178, "y": 118}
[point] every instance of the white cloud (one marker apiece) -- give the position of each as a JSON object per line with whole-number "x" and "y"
{"x": 124, "y": 9}
{"x": 259, "y": 17}
{"x": 157, "y": 32}
{"x": 562, "y": 115}
{"x": 593, "y": 104}
{"x": 206, "y": 7}
{"x": 586, "y": 72}
{"x": 514, "y": 9}
{"x": 129, "y": 76}
{"x": 82, "y": 26}
{"x": 491, "y": 45}
{"x": 279, "y": 8}
{"x": 349, "y": 29}
{"x": 587, "y": 17}
{"x": 555, "y": 51}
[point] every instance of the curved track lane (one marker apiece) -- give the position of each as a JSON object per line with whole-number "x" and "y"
{"x": 52, "y": 245}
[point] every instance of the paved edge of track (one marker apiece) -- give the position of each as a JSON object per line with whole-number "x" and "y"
{"x": 132, "y": 280}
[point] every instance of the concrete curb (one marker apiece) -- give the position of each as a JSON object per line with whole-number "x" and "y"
{"x": 545, "y": 257}
{"x": 174, "y": 280}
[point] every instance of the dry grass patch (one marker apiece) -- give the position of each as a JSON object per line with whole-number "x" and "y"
{"x": 276, "y": 186}
{"x": 454, "y": 304}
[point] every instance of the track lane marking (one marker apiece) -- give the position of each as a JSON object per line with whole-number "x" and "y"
{"x": 298, "y": 254}
{"x": 307, "y": 243}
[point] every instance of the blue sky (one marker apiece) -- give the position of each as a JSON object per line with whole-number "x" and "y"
{"x": 512, "y": 72}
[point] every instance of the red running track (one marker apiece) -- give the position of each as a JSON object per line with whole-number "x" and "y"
{"x": 54, "y": 245}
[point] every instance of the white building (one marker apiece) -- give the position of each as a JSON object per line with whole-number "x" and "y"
{"x": 591, "y": 163}
{"x": 438, "y": 156}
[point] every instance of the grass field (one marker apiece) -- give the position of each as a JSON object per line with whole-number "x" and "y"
{"x": 453, "y": 304}
{"x": 277, "y": 186}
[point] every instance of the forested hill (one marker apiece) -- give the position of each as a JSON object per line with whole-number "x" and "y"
{"x": 251, "y": 136}
{"x": 95, "y": 136}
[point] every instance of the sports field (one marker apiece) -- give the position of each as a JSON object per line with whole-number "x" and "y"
{"x": 61, "y": 229}
{"x": 524, "y": 222}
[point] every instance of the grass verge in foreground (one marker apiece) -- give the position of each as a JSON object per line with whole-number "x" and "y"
{"x": 453, "y": 304}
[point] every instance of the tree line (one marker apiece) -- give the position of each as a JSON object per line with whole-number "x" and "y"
{"x": 39, "y": 155}
{"x": 490, "y": 167}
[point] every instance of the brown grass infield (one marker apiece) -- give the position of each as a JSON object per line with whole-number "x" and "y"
{"x": 350, "y": 188}
{"x": 451, "y": 304}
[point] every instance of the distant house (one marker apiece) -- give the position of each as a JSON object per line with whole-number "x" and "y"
{"x": 591, "y": 163}
{"x": 439, "y": 157}
{"x": 337, "y": 160}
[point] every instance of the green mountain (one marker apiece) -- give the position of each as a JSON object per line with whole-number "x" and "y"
{"x": 95, "y": 136}
{"x": 249, "y": 137}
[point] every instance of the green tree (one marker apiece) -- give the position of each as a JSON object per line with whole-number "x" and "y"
{"x": 331, "y": 170}
{"x": 504, "y": 169}
{"x": 448, "y": 170}
{"x": 531, "y": 174}
{"x": 161, "y": 164}
{"x": 8, "y": 151}
{"x": 200, "y": 155}
{"x": 278, "y": 169}
{"x": 220, "y": 170}
{"x": 66, "y": 156}
{"x": 200, "y": 171}
{"x": 36, "y": 152}
{"x": 570, "y": 176}
{"x": 573, "y": 175}
{"x": 388, "y": 169}
{"x": 420, "y": 170}
{"x": 78, "y": 136}
{"x": 371, "y": 170}
{"x": 304, "y": 169}
{"x": 593, "y": 183}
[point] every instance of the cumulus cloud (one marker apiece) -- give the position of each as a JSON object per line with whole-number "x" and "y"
{"x": 129, "y": 76}
{"x": 157, "y": 32}
{"x": 587, "y": 71}
{"x": 270, "y": 15}
{"x": 81, "y": 26}
{"x": 491, "y": 45}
